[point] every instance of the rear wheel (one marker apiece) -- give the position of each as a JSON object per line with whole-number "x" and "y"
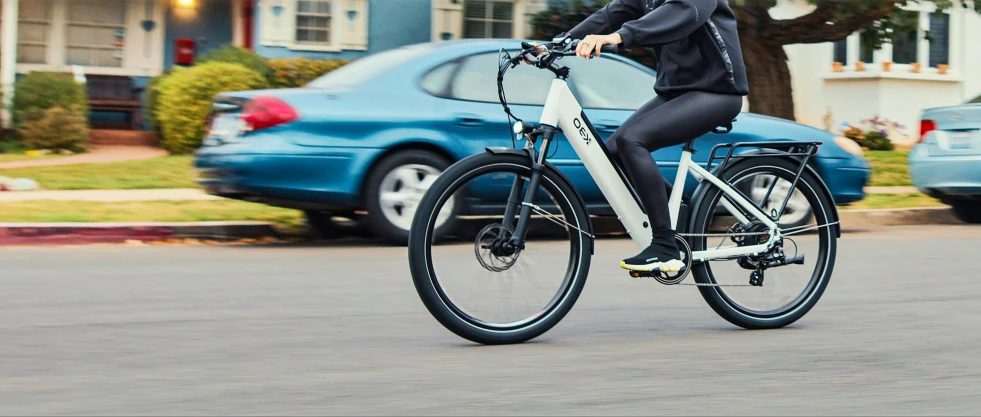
{"x": 394, "y": 190}
{"x": 738, "y": 289}
{"x": 478, "y": 285}
{"x": 968, "y": 211}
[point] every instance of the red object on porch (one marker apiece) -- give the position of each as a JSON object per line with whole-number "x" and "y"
{"x": 248, "y": 21}
{"x": 184, "y": 51}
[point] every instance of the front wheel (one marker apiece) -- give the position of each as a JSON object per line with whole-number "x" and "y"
{"x": 749, "y": 291}
{"x": 478, "y": 285}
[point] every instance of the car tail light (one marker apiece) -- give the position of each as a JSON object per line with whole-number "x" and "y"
{"x": 265, "y": 112}
{"x": 926, "y": 126}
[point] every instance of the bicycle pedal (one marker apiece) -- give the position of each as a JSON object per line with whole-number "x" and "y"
{"x": 643, "y": 274}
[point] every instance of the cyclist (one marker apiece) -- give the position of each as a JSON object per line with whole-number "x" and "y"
{"x": 701, "y": 81}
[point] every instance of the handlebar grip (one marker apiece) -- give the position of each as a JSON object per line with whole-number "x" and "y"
{"x": 606, "y": 49}
{"x": 610, "y": 49}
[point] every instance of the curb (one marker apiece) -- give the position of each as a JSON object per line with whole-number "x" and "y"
{"x": 861, "y": 219}
{"x": 85, "y": 233}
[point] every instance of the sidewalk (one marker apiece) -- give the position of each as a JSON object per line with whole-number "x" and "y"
{"x": 193, "y": 194}
{"x": 97, "y": 155}
{"x": 168, "y": 194}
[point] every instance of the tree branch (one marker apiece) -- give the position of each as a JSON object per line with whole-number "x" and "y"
{"x": 814, "y": 28}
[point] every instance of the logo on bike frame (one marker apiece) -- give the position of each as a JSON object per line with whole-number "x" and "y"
{"x": 582, "y": 130}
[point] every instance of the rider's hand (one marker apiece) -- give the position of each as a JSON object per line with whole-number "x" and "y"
{"x": 592, "y": 44}
{"x": 541, "y": 50}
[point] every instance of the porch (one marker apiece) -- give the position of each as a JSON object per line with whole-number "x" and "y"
{"x": 115, "y": 46}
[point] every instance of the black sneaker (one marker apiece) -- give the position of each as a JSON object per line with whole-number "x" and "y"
{"x": 662, "y": 255}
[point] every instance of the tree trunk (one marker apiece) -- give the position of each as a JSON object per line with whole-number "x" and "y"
{"x": 770, "y": 91}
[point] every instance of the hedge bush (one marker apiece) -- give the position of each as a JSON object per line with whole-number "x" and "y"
{"x": 185, "y": 99}
{"x": 39, "y": 91}
{"x": 238, "y": 55}
{"x": 56, "y": 128}
{"x": 297, "y": 72}
{"x": 153, "y": 101}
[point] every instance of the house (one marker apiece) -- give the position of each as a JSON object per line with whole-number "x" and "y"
{"x": 123, "y": 43}
{"x": 863, "y": 88}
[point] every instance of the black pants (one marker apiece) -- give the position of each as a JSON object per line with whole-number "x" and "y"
{"x": 661, "y": 123}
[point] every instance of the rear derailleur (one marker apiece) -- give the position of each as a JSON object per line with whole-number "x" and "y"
{"x": 759, "y": 263}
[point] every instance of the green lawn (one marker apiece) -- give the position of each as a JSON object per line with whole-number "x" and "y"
{"x": 883, "y": 201}
{"x": 165, "y": 172}
{"x": 889, "y": 168}
{"x": 153, "y": 211}
{"x": 15, "y": 157}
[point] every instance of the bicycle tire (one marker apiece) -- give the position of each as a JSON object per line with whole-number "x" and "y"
{"x": 702, "y": 272}
{"x": 420, "y": 246}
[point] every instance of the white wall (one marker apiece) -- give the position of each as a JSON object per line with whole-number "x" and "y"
{"x": 898, "y": 95}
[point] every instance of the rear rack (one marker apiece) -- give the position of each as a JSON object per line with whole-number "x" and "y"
{"x": 787, "y": 148}
{"x": 792, "y": 149}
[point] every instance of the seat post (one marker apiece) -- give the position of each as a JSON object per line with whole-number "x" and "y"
{"x": 689, "y": 147}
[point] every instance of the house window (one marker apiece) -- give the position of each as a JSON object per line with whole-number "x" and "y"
{"x": 866, "y": 53}
{"x": 95, "y": 33}
{"x": 905, "y": 45}
{"x": 313, "y": 22}
{"x": 33, "y": 23}
{"x": 841, "y": 51}
{"x": 940, "y": 39}
{"x": 488, "y": 19}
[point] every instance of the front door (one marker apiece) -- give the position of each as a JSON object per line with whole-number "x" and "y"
{"x": 209, "y": 24}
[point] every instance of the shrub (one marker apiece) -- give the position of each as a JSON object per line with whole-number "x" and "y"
{"x": 153, "y": 101}
{"x": 56, "y": 128}
{"x": 40, "y": 91}
{"x": 297, "y": 72}
{"x": 877, "y": 141}
{"x": 241, "y": 56}
{"x": 186, "y": 97}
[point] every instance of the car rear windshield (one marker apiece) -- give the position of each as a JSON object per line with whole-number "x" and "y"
{"x": 364, "y": 69}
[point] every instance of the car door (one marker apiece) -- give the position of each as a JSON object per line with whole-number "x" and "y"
{"x": 472, "y": 113}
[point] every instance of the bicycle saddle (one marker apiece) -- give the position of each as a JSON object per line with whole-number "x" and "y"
{"x": 727, "y": 128}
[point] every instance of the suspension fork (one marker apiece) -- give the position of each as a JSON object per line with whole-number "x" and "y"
{"x": 537, "y": 168}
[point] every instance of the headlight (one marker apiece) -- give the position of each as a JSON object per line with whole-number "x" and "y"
{"x": 849, "y": 145}
{"x": 519, "y": 128}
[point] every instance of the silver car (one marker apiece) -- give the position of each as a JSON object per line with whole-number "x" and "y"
{"x": 946, "y": 163}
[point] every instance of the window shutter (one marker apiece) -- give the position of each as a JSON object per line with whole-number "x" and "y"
{"x": 355, "y": 35}
{"x": 447, "y": 20}
{"x": 278, "y": 22}
{"x": 940, "y": 45}
{"x": 531, "y": 8}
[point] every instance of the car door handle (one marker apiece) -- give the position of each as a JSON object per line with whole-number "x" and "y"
{"x": 606, "y": 125}
{"x": 469, "y": 120}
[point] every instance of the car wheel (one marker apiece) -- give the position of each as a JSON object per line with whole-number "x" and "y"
{"x": 968, "y": 211}
{"x": 798, "y": 212}
{"x": 394, "y": 190}
{"x": 325, "y": 225}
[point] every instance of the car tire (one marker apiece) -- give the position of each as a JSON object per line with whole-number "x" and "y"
{"x": 326, "y": 225}
{"x": 791, "y": 218}
{"x": 968, "y": 211}
{"x": 391, "y": 217}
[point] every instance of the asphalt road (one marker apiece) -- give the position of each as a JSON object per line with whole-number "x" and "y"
{"x": 290, "y": 330}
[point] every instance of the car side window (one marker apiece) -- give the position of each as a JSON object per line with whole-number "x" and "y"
{"x": 437, "y": 81}
{"x": 477, "y": 81}
{"x": 609, "y": 84}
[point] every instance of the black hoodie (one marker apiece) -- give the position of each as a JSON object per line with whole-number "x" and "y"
{"x": 695, "y": 41}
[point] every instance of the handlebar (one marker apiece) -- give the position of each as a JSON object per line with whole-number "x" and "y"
{"x": 570, "y": 48}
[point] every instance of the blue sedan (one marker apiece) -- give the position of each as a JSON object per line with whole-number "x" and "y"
{"x": 946, "y": 164}
{"x": 364, "y": 141}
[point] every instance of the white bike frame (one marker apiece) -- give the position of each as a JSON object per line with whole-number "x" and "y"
{"x": 563, "y": 110}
